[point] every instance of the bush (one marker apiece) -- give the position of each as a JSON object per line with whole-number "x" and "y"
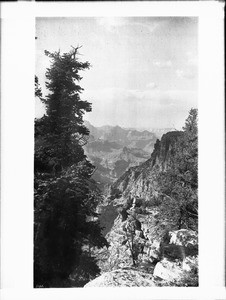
{"x": 188, "y": 279}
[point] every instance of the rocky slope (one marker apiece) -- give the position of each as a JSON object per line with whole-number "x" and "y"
{"x": 135, "y": 258}
{"x": 139, "y": 244}
{"x": 139, "y": 181}
{"x": 112, "y": 162}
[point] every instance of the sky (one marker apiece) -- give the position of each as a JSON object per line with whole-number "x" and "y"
{"x": 143, "y": 69}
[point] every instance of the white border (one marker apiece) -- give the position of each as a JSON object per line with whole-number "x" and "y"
{"x": 17, "y": 71}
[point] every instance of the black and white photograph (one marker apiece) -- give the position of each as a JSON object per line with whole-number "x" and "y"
{"x": 112, "y": 155}
{"x": 116, "y": 152}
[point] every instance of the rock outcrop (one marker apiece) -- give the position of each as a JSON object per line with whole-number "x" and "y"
{"x": 167, "y": 270}
{"x": 140, "y": 181}
{"x": 122, "y": 278}
{"x": 177, "y": 272}
{"x": 179, "y": 251}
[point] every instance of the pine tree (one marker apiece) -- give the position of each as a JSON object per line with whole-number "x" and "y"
{"x": 66, "y": 225}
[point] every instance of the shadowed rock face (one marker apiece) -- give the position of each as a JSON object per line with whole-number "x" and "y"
{"x": 172, "y": 252}
{"x": 107, "y": 216}
{"x": 179, "y": 244}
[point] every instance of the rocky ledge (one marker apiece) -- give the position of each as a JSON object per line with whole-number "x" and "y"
{"x": 125, "y": 277}
{"x": 171, "y": 261}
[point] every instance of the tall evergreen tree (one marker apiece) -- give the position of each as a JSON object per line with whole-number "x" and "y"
{"x": 66, "y": 225}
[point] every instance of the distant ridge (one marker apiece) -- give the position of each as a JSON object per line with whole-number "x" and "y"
{"x": 158, "y": 132}
{"x": 113, "y": 150}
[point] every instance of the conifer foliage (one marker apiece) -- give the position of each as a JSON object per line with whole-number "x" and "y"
{"x": 66, "y": 226}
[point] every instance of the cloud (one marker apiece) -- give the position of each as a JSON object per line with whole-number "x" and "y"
{"x": 111, "y": 23}
{"x": 151, "y": 85}
{"x": 156, "y": 97}
{"x": 138, "y": 108}
{"x": 188, "y": 73}
{"x": 162, "y": 64}
{"x": 191, "y": 59}
{"x": 189, "y": 68}
{"x": 150, "y": 27}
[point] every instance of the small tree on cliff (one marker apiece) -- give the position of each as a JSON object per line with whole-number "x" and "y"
{"x": 66, "y": 225}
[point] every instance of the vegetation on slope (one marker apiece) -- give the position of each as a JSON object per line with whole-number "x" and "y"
{"x": 178, "y": 183}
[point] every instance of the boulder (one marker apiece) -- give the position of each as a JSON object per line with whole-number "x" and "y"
{"x": 168, "y": 271}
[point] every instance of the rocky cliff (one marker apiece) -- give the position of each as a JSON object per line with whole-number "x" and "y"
{"x": 141, "y": 243}
{"x": 139, "y": 181}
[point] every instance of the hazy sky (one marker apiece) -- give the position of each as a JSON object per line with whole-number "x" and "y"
{"x": 144, "y": 69}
